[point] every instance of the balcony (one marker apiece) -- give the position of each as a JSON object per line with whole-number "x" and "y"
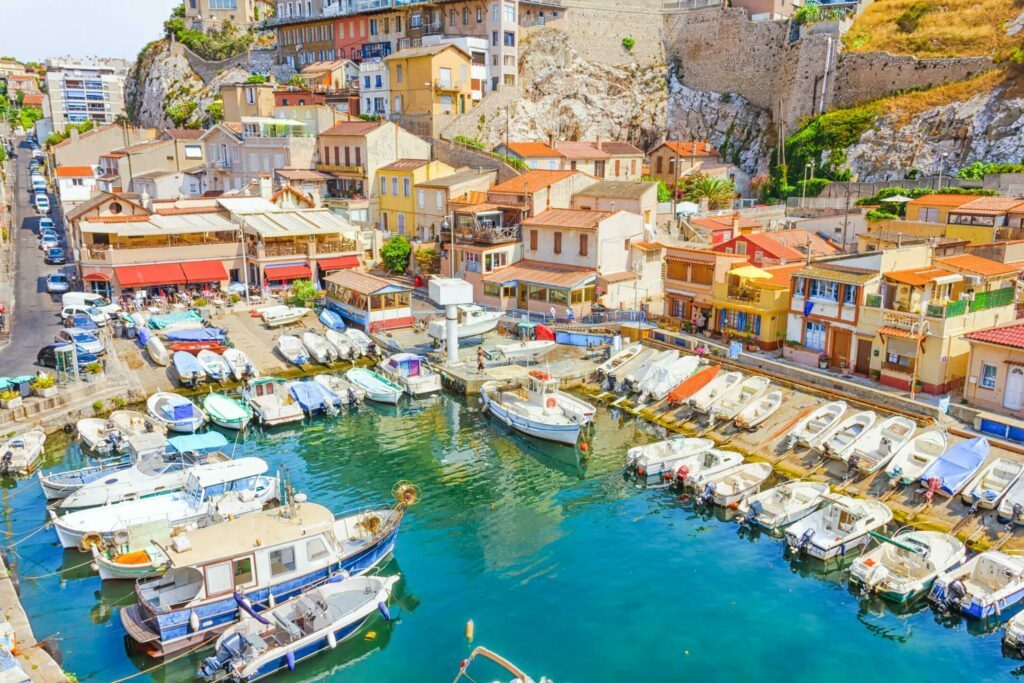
{"x": 454, "y": 86}
{"x": 335, "y": 168}
{"x": 484, "y": 234}
{"x": 220, "y": 164}
{"x": 150, "y": 253}
{"x": 899, "y": 368}
{"x": 745, "y": 294}
{"x": 324, "y": 247}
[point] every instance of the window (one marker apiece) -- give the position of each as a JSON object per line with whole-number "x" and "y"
{"x": 536, "y": 293}
{"x": 394, "y": 186}
{"x": 814, "y": 336}
{"x": 494, "y": 12}
{"x": 452, "y": 18}
{"x": 928, "y": 215}
{"x": 533, "y": 240}
{"x": 446, "y": 104}
{"x": 494, "y": 41}
{"x": 658, "y": 164}
{"x": 583, "y": 245}
{"x": 498, "y": 259}
{"x": 282, "y": 561}
{"x": 398, "y": 73}
{"x": 798, "y": 287}
{"x": 558, "y": 242}
{"x": 510, "y": 13}
{"x": 374, "y": 27}
{"x": 421, "y": 200}
{"x": 439, "y": 199}
{"x": 401, "y": 223}
{"x": 492, "y": 290}
{"x": 510, "y": 39}
{"x": 193, "y": 152}
{"x": 741, "y": 247}
{"x": 823, "y": 289}
{"x": 378, "y": 81}
{"x": 444, "y": 75}
{"x": 398, "y": 24}
{"x": 988, "y": 376}
{"x": 366, "y": 81}
{"x": 849, "y": 294}
{"x": 406, "y": 187}
{"x": 479, "y": 15}
{"x": 383, "y": 186}
{"x": 316, "y": 549}
{"x": 250, "y": 95}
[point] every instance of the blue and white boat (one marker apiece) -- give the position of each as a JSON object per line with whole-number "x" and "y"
{"x": 206, "y": 442}
{"x": 953, "y": 469}
{"x": 332, "y": 320}
{"x": 60, "y": 485}
{"x": 174, "y": 412}
{"x": 985, "y": 586}
{"x": 314, "y": 397}
{"x": 260, "y": 560}
{"x": 412, "y": 372}
{"x": 215, "y": 367}
{"x": 539, "y": 410}
{"x": 377, "y": 387}
{"x": 280, "y": 638}
{"x": 190, "y": 371}
{"x": 202, "y": 334}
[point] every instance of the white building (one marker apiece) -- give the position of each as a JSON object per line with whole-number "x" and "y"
{"x": 476, "y": 48}
{"x": 75, "y": 185}
{"x": 374, "y": 92}
{"x": 85, "y": 90}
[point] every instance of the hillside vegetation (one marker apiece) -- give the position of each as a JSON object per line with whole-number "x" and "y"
{"x": 936, "y": 28}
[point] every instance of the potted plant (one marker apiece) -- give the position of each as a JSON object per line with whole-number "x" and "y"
{"x": 751, "y": 341}
{"x": 9, "y": 398}
{"x": 93, "y": 372}
{"x": 45, "y": 386}
{"x": 823, "y": 359}
{"x": 876, "y": 374}
{"x": 687, "y": 326}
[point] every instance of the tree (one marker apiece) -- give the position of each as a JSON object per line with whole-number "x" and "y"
{"x": 395, "y": 254}
{"x": 664, "y": 195}
{"x": 303, "y": 294}
{"x": 718, "y": 191}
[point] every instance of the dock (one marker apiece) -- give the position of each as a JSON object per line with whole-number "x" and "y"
{"x": 33, "y": 658}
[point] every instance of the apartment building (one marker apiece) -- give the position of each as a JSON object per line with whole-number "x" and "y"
{"x": 302, "y": 41}
{"x": 75, "y": 185}
{"x": 84, "y": 149}
{"x": 640, "y": 198}
{"x": 208, "y": 15}
{"x": 374, "y": 88}
{"x": 673, "y": 160}
{"x": 752, "y": 303}
{"x": 430, "y": 86}
{"x": 247, "y": 99}
{"x": 81, "y": 90}
{"x": 237, "y": 153}
{"x": 400, "y": 197}
{"x": 689, "y": 278}
{"x": 433, "y": 197}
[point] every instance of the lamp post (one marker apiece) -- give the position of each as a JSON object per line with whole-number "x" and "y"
{"x": 808, "y": 169}
{"x": 446, "y": 225}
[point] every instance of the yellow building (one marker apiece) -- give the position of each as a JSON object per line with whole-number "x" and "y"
{"x": 430, "y": 86}
{"x": 399, "y": 196}
{"x": 752, "y": 304}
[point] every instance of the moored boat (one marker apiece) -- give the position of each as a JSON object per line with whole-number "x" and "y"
{"x": 134, "y": 552}
{"x": 750, "y": 389}
{"x": 626, "y": 354}
{"x": 694, "y": 472}
{"x": 284, "y": 315}
{"x": 880, "y": 444}
{"x": 1013, "y": 635}
{"x": 655, "y": 464}
{"x": 318, "y": 348}
{"x": 377, "y": 387}
{"x": 19, "y": 453}
{"x": 758, "y": 410}
{"x": 1011, "y": 506}
{"x": 914, "y": 458}
{"x": 682, "y": 392}
{"x": 839, "y": 440}
{"x": 240, "y": 364}
{"x": 100, "y": 436}
{"x": 269, "y": 399}
{"x": 730, "y": 487}
{"x": 635, "y": 377}
{"x": 59, "y": 485}
{"x": 157, "y": 351}
{"x": 361, "y": 343}
{"x": 413, "y": 372}
{"x": 341, "y": 388}
{"x": 903, "y": 567}
{"x": 340, "y": 342}
{"x": 188, "y": 368}
{"x": 227, "y": 411}
{"x": 473, "y": 321}
{"x": 195, "y": 347}
{"x": 215, "y": 367}
{"x": 662, "y": 380}
{"x": 779, "y": 507}
{"x": 951, "y": 471}
{"x": 332, "y": 320}
{"x": 524, "y": 350}
{"x": 174, "y": 412}
{"x": 810, "y": 429}
{"x": 314, "y": 397}
{"x": 839, "y": 528}
{"x": 987, "y": 489}
{"x": 292, "y": 349}
{"x": 539, "y": 409}
{"x": 132, "y": 422}
{"x": 703, "y": 400}
{"x": 306, "y": 625}
{"x": 617, "y": 376}
{"x": 518, "y": 676}
{"x": 985, "y": 586}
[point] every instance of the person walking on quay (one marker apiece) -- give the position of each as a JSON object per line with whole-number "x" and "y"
{"x": 479, "y": 360}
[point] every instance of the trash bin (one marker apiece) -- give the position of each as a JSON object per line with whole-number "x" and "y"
{"x": 129, "y": 331}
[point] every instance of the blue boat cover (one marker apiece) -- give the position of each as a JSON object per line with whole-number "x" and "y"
{"x": 198, "y": 443}
{"x": 313, "y": 396}
{"x": 954, "y": 467}
{"x": 185, "y": 363}
{"x": 159, "y": 322}
{"x": 180, "y": 409}
{"x": 202, "y": 334}
{"x": 143, "y": 337}
{"x": 332, "y": 320}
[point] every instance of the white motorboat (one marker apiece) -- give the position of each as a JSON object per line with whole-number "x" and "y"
{"x": 132, "y": 422}
{"x": 148, "y": 476}
{"x": 270, "y": 401}
{"x": 636, "y": 377}
{"x": 663, "y": 379}
{"x": 779, "y": 507}
{"x": 987, "y": 489}
{"x": 985, "y": 586}
{"x": 730, "y": 405}
{"x": 473, "y": 321}
{"x": 240, "y": 364}
{"x": 1011, "y": 506}
{"x": 221, "y": 489}
{"x": 315, "y": 621}
{"x": 1013, "y": 635}
{"x": 730, "y": 487}
{"x": 158, "y": 351}
{"x": 360, "y": 342}
{"x": 626, "y": 354}
{"x": 539, "y": 410}
{"x": 903, "y": 568}
{"x": 412, "y": 372}
{"x": 135, "y": 552}
{"x": 880, "y": 444}
{"x": 914, "y": 458}
{"x": 100, "y": 436}
{"x": 318, "y": 348}
{"x": 524, "y": 350}
{"x": 342, "y": 388}
{"x": 176, "y": 413}
{"x": 216, "y": 368}
{"x": 285, "y": 315}
{"x": 809, "y": 430}
{"x": 292, "y": 349}
{"x": 839, "y": 528}
{"x": 227, "y": 411}
{"x": 694, "y": 472}
{"x": 617, "y": 376}
{"x": 510, "y": 669}
{"x": 19, "y": 453}
{"x": 840, "y": 439}
{"x": 714, "y": 391}
{"x": 758, "y": 410}
{"x": 376, "y": 387}
{"x": 340, "y": 342}
{"x": 656, "y": 463}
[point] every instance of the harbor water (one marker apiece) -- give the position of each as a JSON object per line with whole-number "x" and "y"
{"x": 563, "y": 567}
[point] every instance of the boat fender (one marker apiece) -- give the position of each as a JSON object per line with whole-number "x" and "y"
{"x": 193, "y": 621}
{"x": 682, "y": 473}
{"x": 90, "y": 539}
{"x": 332, "y": 640}
{"x": 551, "y": 402}
{"x": 271, "y": 602}
{"x": 68, "y": 428}
{"x": 289, "y": 658}
{"x": 470, "y": 628}
{"x": 384, "y": 611}
{"x": 584, "y": 447}
{"x": 641, "y": 472}
{"x": 94, "y": 567}
{"x": 245, "y": 605}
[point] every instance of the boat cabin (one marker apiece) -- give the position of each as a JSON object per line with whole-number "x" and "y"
{"x": 408, "y": 365}
{"x": 207, "y": 482}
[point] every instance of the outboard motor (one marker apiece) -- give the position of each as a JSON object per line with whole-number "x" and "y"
{"x": 5, "y": 463}
{"x": 885, "y": 447}
{"x": 753, "y": 512}
{"x": 955, "y": 594}
{"x": 232, "y": 647}
{"x": 351, "y": 397}
{"x": 1017, "y": 513}
{"x": 805, "y": 540}
{"x": 851, "y": 465}
{"x": 707, "y": 495}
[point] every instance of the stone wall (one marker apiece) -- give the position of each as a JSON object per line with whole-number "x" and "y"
{"x": 256, "y": 60}
{"x": 457, "y": 155}
{"x": 862, "y": 76}
{"x": 597, "y": 29}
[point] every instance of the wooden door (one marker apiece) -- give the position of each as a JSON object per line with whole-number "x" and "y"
{"x": 841, "y": 347}
{"x": 522, "y": 302}
{"x": 1013, "y": 397}
{"x": 863, "y": 357}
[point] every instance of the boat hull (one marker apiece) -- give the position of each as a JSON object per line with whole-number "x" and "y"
{"x": 312, "y": 645}
{"x": 850, "y": 546}
{"x": 565, "y": 434}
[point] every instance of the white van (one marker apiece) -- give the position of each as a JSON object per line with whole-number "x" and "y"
{"x": 95, "y": 314}
{"x": 90, "y": 300}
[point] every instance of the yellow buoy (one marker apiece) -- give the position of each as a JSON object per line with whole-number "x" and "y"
{"x": 469, "y": 630}
{"x": 371, "y": 635}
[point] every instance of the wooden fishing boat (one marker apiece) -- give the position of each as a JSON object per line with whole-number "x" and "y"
{"x": 759, "y": 410}
{"x": 226, "y": 411}
{"x": 539, "y": 409}
{"x": 692, "y": 384}
{"x": 195, "y": 347}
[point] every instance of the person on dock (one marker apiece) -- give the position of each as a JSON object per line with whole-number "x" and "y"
{"x": 479, "y": 360}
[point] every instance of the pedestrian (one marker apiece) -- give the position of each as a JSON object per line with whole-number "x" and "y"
{"x": 552, "y": 314}
{"x": 701, "y": 322}
{"x": 479, "y": 360}
{"x": 569, "y": 314}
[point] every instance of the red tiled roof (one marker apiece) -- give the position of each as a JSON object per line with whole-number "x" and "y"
{"x": 917, "y": 277}
{"x": 998, "y": 205}
{"x": 1011, "y": 335}
{"x": 765, "y": 243}
{"x": 471, "y": 197}
{"x": 117, "y": 219}
{"x": 781, "y": 276}
{"x": 184, "y": 133}
{"x": 75, "y": 172}
{"x": 898, "y": 332}
{"x": 976, "y": 264}
{"x": 580, "y": 150}
{"x": 943, "y": 200}
{"x": 797, "y": 238}
{"x": 700, "y": 149}
{"x": 568, "y": 218}
{"x": 32, "y": 100}
{"x": 723, "y": 222}
{"x": 531, "y": 181}
{"x": 363, "y": 283}
{"x": 186, "y": 210}
{"x": 533, "y": 149}
{"x": 353, "y": 128}
{"x": 541, "y": 273}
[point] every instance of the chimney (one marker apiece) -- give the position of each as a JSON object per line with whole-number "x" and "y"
{"x": 266, "y": 186}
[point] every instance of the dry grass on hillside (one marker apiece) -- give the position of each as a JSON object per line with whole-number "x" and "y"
{"x": 935, "y": 28}
{"x": 902, "y": 108}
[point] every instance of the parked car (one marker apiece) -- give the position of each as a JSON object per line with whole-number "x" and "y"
{"x": 82, "y": 322}
{"x": 56, "y": 256}
{"x": 57, "y": 283}
{"x": 42, "y": 203}
{"x": 38, "y": 183}
{"x": 46, "y": 224}
{"x": 48, "y": 241}
{"x": 85, "y": 339}
{"x": 94, "y": 314}
{"x": 89, "y": 299}
{"x": 38, "y": 153}
{"x": 47, "y": 356}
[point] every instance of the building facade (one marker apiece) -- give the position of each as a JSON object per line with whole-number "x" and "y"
{"x": 81, "y": 91}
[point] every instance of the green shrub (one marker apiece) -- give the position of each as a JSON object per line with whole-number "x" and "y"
{"x": 303, "y": 293}
{"x": 97, "y": 405}
{"x": 664, "y": 194}
{"x": 908, "y": 21}
{"x": 979, "y": 169}
{"x": 807, "y": 14}
{"x": 628, "y": 43}
{"x": 256, "y": 78}
{"x": 120, "y": 402}
{"x": 395, "y": 254}
{"x": 466, "y": 140}
{"x": 93, "y": 368}
{"x": 822, "y": 142}
{"x": 44, "y": 381}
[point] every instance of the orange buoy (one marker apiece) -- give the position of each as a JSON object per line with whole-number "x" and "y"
{"x": 584, "y": 447}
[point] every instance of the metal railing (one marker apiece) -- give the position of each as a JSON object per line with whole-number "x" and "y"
{"x": 336, "y": 168}
{"x": 440, "y": 84}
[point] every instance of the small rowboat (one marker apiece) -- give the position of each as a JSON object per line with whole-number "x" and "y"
{"x": 705, "y": 399}
{"x": 818, "y": 425}
{"x": 341, "y": 343}
{"x": 157, "y": 351}
{"x": 215, "y": 366}
{"x": 732, "y": 486}
{"x": 227, "y": 412}
{"x": 759, "y": 410}
{"x": 284, "y": 315}
{"x": 197, "y": 346}
{"x": 240, "y": 364}
{"x": 920, "y": 452}
{"x": 292, "y": 349}
{"x": 190, "y": 371}
{"x": 691, "y": 385}
{"x": 377, "y": 387}
{"x": 19, "y": 453}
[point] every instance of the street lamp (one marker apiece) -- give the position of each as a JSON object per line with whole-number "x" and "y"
{"x": 446, "y": 225}
{"x": 808, "y": 170}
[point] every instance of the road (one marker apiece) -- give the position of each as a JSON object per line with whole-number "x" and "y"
{"x": 35, "y": 312}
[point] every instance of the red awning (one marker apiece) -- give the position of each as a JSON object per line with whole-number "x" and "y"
{"x": 204, "y": 271}
{"x": 150, "y": 275}
{"x": 338, "y": 263}
{"x": 96, "y": 277}
{"x": 289, "y": 272}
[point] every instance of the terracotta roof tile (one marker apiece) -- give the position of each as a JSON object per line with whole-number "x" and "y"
{"x": 1011, "y": 335}
{"x": 533, "y": 149}
{"x": 898, "y": 332}
{"x": 75, "y": 172}
{"x": 404, "y": 165}
{"x": 531, "y": 181}
{"x": 944, "y": 200}
{"x": 580, "y": 150}
{"x": 471, "y": 197}
{"x": 976, "y": 264}
{"x": 797, "y": 238}
{"x": 996, "y": 205}
{"x": 781, "y": 276}
{"x": 691, "y": 148}
{"x": 353, "y": 128}
{"x": 917, "y": 277}
{"x": 541, "y": 273}
{"x": 568, "y": 218}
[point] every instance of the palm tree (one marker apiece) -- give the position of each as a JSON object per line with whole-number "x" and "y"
{"x": 718, "y": 191}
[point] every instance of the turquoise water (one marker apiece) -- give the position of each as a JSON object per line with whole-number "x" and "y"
{"x": 563, "y": 567}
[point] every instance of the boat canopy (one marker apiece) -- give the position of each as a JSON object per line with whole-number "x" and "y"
{"x": 185, "y": 362}
{"x": 162, "y": 322}
{"x": 407, "y": 364}
{"x": 954, "y": 467}
{"x": 312, "y": 396}
{"x": 206, "y": 476}
{"x": 201, "y": 334}
{"x": 199, "y": 443}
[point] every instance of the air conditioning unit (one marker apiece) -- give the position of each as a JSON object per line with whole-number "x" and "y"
{"x": 973, "y": 280}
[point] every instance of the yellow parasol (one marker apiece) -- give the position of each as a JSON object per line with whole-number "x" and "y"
{"x": 751, "y": 273}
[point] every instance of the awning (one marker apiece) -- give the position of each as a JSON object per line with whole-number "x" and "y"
{"x": 338, "y": 263}
{"x": 204, "y": 271}
{"x": 292, "y": 271}
{"x": 150, "y": 274}
{"x": 96, "y": 277}
{"x": 899, "y": 332}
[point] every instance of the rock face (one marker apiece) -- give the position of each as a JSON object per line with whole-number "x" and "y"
{"x": 741, "y": 131}
{"x": 987, "y": 127}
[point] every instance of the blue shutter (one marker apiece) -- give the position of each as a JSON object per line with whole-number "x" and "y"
{"x": 757, "y": 325}
{"x": 741, "y": 322}
{"x": 721, "y": 325}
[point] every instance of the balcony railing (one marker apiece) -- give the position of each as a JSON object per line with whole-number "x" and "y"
{"x": 745, "y": 294}
{"x": 447, "y": 85}
{"x": 334, "y": 246}
{"x": 336, "y": 168}
{"x": 220, "y": 164}
{"x": 484, "y": 234}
